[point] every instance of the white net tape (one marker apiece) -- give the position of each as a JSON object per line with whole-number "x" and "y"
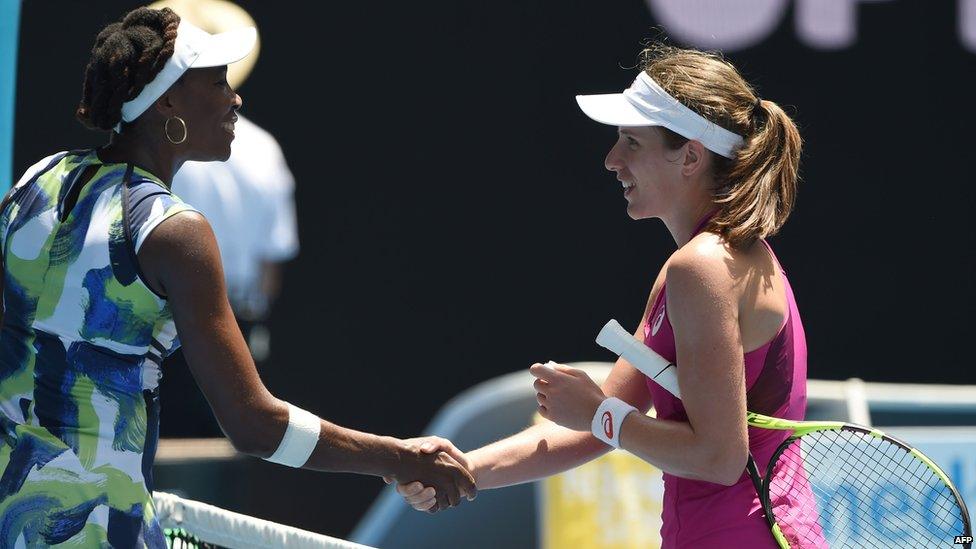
{"x": 234, "y": 530}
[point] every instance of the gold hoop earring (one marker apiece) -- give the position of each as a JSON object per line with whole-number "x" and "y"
{"x": 166, "y": 130}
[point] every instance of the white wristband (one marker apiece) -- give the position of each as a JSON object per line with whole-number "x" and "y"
{"x": 608, "y": 418}
{"x": 300, "y": 438}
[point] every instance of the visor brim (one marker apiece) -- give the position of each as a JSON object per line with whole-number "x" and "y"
{"x": 613, "y": 109}
{"x": 226, "y": 48}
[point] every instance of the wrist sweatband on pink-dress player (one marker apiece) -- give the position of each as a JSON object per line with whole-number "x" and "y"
{"x": 608, "y": 419}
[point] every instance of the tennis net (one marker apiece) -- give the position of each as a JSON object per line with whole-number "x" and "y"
{"x": 191, "y": 524}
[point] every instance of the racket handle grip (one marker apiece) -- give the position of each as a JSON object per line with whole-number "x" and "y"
{"x": 615, "y": 338}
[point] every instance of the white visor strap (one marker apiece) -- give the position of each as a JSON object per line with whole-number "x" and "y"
{"x": 190, "y": 42}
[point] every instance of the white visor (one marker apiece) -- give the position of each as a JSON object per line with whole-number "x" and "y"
{"x": 645, "y": 103}
{"x": 195, "y": 48}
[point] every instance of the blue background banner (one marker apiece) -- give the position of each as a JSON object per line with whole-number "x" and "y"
{"x": 9, "y": 23}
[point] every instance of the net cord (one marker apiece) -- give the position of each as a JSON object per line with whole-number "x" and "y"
{"x": 234, "y": 530}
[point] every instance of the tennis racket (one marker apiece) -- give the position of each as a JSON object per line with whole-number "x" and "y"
{"x": 835, "y": 484}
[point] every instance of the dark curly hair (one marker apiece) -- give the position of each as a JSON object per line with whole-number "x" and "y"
{"x": 126, "y": 56}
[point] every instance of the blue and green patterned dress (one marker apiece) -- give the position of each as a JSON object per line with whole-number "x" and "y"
{"x": 81, "y": 345}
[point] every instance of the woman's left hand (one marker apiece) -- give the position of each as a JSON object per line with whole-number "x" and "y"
{"x": 566, "y": 395}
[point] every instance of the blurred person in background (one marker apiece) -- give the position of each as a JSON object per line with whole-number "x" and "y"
{"x": 249, "y": 202}
{"x": 105, "y": 272}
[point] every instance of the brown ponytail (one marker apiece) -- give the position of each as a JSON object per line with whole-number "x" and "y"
{"x": 126, "y": 56}
{"x": 755, "y": 190}
{"x": 762, "y": 180}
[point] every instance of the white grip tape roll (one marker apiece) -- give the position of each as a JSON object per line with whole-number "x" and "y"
{"x": 300, "y": 438}
{"x": 640, "y": 356}
{"x": 608, "y": 418}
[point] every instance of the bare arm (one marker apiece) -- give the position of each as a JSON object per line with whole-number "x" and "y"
{"x": 547, "y": 448}
{"x": 541, "y": 450}
{"x": 180, "y": 259}
{"x": 713, "y": 444}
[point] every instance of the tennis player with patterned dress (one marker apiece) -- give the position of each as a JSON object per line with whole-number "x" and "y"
{"x": 106, "y": 272}
{"x": 698, "y": 149}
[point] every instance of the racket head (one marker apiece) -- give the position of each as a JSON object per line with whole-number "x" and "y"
{"x": 851, "y": 486}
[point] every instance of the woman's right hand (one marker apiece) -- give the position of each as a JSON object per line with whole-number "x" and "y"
{"x": 442, "y": 478}
{"x": 418, "y": 496}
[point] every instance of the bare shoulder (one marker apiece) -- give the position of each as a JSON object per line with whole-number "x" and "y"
{"x": 185, "y": 233}
{"x": 180, "y": 249}
{"x": 705, "y": 261}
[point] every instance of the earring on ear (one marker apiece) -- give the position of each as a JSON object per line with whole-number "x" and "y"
{"x": 166, "y": 130}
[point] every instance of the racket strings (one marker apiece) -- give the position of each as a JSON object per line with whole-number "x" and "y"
{"x": 803, "y": 528}
{"x": 849, "y": 489}
{"x": 918, "y": 479}
{"x": 868, "y": 453}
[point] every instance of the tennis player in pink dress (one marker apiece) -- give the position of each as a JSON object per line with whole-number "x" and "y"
{"x": 698, "y": 149}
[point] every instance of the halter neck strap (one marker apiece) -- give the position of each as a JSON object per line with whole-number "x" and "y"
{"x": 700, "y": 226}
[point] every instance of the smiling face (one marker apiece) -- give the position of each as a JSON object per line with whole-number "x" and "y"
{"x": 650, "y": 171}
{"x": 208, "y": 105}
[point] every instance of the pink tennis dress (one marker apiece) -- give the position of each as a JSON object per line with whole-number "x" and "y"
{"x": 703, "y": 514}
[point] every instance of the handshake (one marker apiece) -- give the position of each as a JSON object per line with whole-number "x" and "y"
{"x": 433, "y": 475}
{"x": 439, "y": 474}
